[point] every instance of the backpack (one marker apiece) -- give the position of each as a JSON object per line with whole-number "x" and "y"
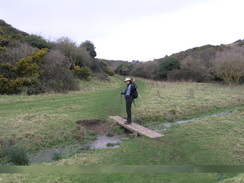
{"x": 134, "y": 92}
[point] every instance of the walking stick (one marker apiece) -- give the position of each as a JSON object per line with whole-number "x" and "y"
{"x": 121, "y": 96}
{"x": 121, "y": 103}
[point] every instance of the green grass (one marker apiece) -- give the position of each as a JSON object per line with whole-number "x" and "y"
{"x": 46, "y": 120}
{"x": 110, "y": 178}
{"x": 170, "y": 101}
{"x": 212, "y": 141}
{"x": 49, "y": 120}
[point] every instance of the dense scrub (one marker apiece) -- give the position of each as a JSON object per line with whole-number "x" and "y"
{"x": 31, "y": 64}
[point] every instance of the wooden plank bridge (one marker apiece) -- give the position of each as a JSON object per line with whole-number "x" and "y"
{"x": 137, "y": 129}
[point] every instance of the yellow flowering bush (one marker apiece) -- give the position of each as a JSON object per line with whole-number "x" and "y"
{"x": 24, "y": 72}
{"x": 82, "y": 72}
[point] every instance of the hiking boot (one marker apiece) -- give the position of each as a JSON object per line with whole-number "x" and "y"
{"x": 127, "y": 123}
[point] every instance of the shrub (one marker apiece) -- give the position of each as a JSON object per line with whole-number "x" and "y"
{"x": 35, "y": 89}
{"x": 36, "y": 41}
{"x": 110, "y": 72}
{"x": 18, "y": 155}
{"x": 149, "y": 70}
{"x": 171, "y": 63}
{"x": 192, "y": 69}
{"x": 77, "y": 56}
{"x": 229, "y": 65}
{"x": 57, "y": 76}
{"x": 82, "y": 72}
{"x": 25, "y": 72}
{"x": 124, "y": 69}
{"x": 90, "y": 47}
{"x": 13, "y": 54}
{"x": 104, "y": 67}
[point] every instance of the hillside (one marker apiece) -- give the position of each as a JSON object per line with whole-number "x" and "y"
{"x": 31, "y": 64}
{"x": 206, "y": 51}
{"x": 200, "y": 64}
{"x": 7, "y": 29}
{"x": 8, "y": 33}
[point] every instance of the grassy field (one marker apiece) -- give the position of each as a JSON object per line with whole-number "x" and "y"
{"x": 170, "y": 101}
{"x": 39, "y": 122}
{"x": 48, "y": 120}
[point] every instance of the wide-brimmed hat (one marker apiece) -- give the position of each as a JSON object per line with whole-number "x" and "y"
{"x": 127, "y": 79}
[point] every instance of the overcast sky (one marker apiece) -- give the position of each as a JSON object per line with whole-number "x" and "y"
{"x": 130, "y": 29}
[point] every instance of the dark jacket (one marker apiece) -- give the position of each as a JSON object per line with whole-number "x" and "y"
{"x": 127, "y": 91}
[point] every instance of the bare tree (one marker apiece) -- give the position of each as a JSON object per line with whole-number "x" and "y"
{"x": 229, "y": 65}
{"x": 78, "y": 56}
{"x": 13, "y": 54}
{"x": 57, "y": 75}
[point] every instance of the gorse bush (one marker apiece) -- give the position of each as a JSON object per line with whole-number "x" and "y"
{"x": 25, "y": 72}
{"x": 82, "y": 72}
{"x": 36, "y": 41}
{"x": 110, "y": 72}
{"x": 104, "y": 67}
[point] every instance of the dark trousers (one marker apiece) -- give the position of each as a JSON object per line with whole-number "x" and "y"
{"x": 129, "y": 101}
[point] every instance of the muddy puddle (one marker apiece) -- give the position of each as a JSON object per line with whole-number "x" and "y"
{"x": 102, "y": 142}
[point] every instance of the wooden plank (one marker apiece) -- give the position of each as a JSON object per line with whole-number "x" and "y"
{"x": 136, "y": 128}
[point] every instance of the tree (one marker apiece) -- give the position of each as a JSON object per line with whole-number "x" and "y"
{"x": 78, "y": 56}
{"x": 124, "y": 69}
{"x": 193, "y": 69}
{"x": 169, "y": 64}
{"x": 89, "y": 47}
{"x": 57, "y": 76}
{"x": 229, "y": 65}
{"x": 19, "y": 51}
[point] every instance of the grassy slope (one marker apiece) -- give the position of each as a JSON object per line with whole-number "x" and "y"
{"x": 215, "y": 140}
{"x": 46, "y": 120}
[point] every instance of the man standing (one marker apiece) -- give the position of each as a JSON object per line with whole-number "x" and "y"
{"x": 128, "y": 99}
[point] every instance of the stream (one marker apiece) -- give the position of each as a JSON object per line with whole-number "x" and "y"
{"x": 165, "y": 126}
{"x": 102, "y": 142}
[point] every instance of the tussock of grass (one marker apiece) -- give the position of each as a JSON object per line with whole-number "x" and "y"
{"x": 18, "y": 155}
